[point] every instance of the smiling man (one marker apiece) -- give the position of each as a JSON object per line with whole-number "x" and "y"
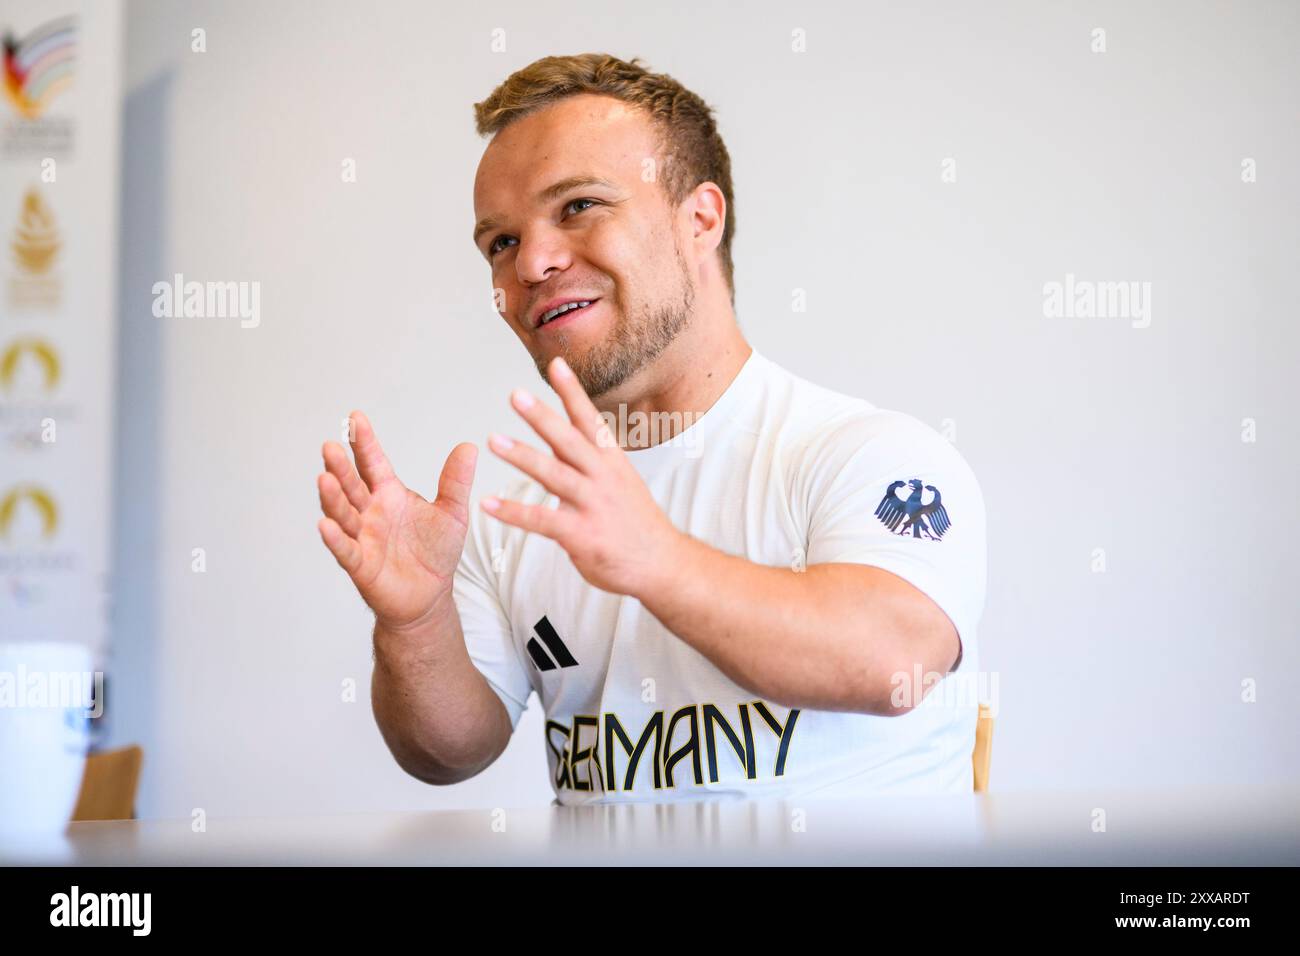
{"x": 764, "y": 601}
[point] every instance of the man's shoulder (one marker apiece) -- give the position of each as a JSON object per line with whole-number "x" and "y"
{"x": 823, "y": 419}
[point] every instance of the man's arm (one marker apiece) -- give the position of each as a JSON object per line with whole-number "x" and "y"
{"x": 833, "y": 637}
{"x": 441, "y": 720}
{"x": 439, "y": 716}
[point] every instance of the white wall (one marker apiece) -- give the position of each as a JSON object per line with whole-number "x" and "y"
{"x": 923, "y": 295}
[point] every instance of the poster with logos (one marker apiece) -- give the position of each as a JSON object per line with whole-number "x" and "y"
{"x": 60, "y": 114}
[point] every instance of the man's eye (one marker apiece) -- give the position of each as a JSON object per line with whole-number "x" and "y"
{"x": 492, "y": 246}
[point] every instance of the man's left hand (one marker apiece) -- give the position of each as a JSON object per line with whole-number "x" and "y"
{"x": 607, "y": 521}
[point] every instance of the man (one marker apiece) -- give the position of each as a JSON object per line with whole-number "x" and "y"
{"x": 753, "y": 599}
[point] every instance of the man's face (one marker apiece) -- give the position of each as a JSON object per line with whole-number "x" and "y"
{"x": 615, "y": 242}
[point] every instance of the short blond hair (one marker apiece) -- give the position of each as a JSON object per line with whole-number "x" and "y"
{"x": 691, "y": 150}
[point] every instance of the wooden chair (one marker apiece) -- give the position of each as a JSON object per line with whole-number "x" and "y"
{"x": 983, "y": 753}
{"x": 109, "y": 784}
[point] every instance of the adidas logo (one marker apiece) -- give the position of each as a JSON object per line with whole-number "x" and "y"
{"x": 553, "y": 644}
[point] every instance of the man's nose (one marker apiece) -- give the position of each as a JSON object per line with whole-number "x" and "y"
{"x": 540, "y": 254}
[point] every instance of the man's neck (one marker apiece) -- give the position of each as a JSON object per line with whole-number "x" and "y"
{"x": 680, "y": 385}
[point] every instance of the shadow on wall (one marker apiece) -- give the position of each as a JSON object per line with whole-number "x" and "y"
{"x": 134, "y": 642}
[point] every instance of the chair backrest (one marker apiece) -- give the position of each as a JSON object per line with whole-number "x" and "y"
{"x": 109, "y": 784}
{"x": 983, "y": 753}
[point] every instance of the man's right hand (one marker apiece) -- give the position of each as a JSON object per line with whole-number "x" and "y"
{"x": 400, "y": 550}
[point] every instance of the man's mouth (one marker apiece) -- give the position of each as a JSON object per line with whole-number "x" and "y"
{"x": 564, "y": 314}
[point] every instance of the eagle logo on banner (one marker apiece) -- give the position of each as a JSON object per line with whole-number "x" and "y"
{"x": 911, "y": 513}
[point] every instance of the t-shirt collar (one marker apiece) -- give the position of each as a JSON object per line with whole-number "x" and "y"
{"x": 692, "y": 442}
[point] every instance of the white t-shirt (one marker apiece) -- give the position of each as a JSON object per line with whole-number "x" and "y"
{"x": 783, "y": 473}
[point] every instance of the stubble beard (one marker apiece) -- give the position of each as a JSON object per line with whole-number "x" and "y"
{"x": 631, "y": 345}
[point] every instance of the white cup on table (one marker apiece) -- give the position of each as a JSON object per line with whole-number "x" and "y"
{"x": 45, "y": 706}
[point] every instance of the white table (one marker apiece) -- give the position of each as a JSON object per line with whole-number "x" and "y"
{"x": 1211, "y": 827}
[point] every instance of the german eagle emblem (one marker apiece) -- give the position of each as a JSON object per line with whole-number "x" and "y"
{"x": 894, "y": 510}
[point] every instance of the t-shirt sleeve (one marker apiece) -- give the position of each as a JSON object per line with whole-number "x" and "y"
{"x": 890, "y": 491}
{"x": 484, "y": 621}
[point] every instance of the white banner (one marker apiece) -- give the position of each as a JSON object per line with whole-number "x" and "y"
{"x": 60, "y": 113}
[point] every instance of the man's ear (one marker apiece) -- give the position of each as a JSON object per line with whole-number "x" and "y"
{"x": 708, "y": 209}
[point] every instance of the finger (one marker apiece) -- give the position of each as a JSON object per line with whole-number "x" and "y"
{"x": 335, "y": 504}
{"x": 338, "y": 464}
{"x": 568, "y": 443}
{"x": 372, "y": 463}
{"x": 551, "y": 473}
{"x": 582, "y": 411}
{"x": 346, "y": 551}
{"x": 539, "y": 519}
{"x": 456, "y": 480}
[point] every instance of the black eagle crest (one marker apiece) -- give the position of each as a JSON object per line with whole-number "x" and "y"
{"x": 911, "y": 513}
